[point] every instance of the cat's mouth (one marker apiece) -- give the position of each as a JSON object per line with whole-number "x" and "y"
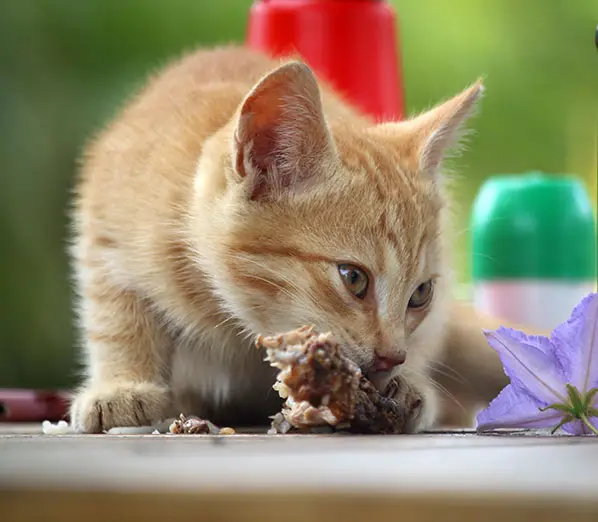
{"x": 383, "y": 369}
{"x": 379, "y": 375}
{"x": 380, "y": 379}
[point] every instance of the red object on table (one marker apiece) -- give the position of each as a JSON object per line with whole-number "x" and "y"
{"x": 33, "y": 405}
{"x": 353, "y": 44}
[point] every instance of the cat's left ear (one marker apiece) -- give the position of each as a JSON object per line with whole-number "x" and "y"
{"x": 281, "y": 139}
{"x": 429, "y": 136}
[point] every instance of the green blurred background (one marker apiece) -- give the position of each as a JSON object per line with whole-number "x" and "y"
{"x": 67, "y": 65}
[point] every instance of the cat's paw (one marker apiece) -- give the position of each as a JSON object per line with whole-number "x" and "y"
{"x": 419, "y": 405}
{"x": 95, "y": 410}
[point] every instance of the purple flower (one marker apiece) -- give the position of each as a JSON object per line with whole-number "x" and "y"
{"x": 554, "y": 382}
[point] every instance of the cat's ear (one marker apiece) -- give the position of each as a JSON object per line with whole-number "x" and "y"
{"x": 281, "y": 137}
{"x": 441, "y": 128}
{"x": 430, "y": 135}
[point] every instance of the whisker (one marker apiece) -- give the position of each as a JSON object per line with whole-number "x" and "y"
{"x": 270, "y": 282}
{"x": 447, "y": 394}
{"x": 470, "y": 228}
{"x": 484, "y": 256}
{"x": 300, "y": 291}
{"x": 454, "y": 374}
{"x": 447, "y": 375}
{"x": 234, "y": 318}
{"x": 440, "y": 388}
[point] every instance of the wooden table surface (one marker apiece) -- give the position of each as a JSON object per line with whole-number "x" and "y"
{"x": 444, "y": 476}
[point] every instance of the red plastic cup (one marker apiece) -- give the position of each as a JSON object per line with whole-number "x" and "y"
{"x": 352, "y": 44}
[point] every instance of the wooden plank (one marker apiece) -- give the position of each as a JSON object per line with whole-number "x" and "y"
{"x": 69, "y": 506}
{"x": 557, "y": 466}
{"x": 254, "y": 477}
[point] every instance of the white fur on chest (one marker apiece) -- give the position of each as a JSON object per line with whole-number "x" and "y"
{"x": 195, "y": 372}
{"x": 217, "y": 374}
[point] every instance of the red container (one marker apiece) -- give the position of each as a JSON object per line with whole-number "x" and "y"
{"x": 353, "y": 44}
{"x": 33, "y": 405}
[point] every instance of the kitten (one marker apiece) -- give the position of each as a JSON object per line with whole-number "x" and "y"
{"x": 238, "y": 195}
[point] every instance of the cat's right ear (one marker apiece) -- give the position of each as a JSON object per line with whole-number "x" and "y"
{"x": 281, "y": 139}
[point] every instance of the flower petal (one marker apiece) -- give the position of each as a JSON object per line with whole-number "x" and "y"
{"x": 530, "y": 363}
{"x": 515, "y": 408}
{"x": 576, "y": 344}
{"x": 578, "y": 427}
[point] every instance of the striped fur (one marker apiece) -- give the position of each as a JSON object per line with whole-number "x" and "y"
{"x": 218, "y": 204}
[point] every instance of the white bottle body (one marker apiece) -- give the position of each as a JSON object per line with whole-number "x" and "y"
{"x": 542, "y": 304}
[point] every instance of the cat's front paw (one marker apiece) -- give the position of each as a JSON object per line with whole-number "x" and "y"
{"x": 95, "y": 410}
{"x": 419, "y": 405}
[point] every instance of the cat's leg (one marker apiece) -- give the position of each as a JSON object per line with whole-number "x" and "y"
{"x": 126, "y": 360}
{"x": 418, "y": 399}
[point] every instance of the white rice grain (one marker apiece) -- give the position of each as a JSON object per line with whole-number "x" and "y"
{"x": 60, "y": 428}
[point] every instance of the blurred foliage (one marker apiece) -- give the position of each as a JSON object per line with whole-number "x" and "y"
{"x": 67, "y": 65}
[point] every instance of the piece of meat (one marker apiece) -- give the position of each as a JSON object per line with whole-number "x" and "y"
{"x": 323, "y": 387}
{"x": 191, "y": 426}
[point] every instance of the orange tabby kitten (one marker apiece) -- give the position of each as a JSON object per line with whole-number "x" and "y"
{"x": 235, "y": 196}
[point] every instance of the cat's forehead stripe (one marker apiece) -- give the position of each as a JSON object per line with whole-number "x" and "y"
{"x": 281, "y": 250}
{"x": 388, "y": 231}
{"x": 379, "y": 162}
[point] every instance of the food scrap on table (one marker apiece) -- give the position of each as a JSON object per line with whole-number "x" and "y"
{"x": 184, "y": 425}
{"x": 192, "y": 425}
{"x": 322, "y": 387}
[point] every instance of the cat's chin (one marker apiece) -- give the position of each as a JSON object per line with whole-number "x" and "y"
{"x": 419, "y": 399}
{"x": 381, "y": 380}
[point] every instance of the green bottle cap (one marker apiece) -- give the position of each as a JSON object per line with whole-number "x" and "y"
{"x": 533, "y": 226}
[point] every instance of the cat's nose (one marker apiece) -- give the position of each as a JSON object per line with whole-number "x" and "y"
{"x": 384, "y": 362}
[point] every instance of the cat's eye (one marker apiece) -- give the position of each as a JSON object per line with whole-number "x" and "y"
{"x": 355, "y": 279}
{"x": 422, "y": 295}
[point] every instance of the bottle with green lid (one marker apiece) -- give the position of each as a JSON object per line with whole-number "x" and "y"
{"x": 533, "y": 248}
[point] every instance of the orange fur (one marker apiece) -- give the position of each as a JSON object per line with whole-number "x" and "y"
{"x": 218, "y": 205}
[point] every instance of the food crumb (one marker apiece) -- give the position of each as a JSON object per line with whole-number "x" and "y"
{"x": 60, "y": 428}
{"x": 189, "y": 425}
{"x": 192, "y": 426}
{"x": 226, "y": 431}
